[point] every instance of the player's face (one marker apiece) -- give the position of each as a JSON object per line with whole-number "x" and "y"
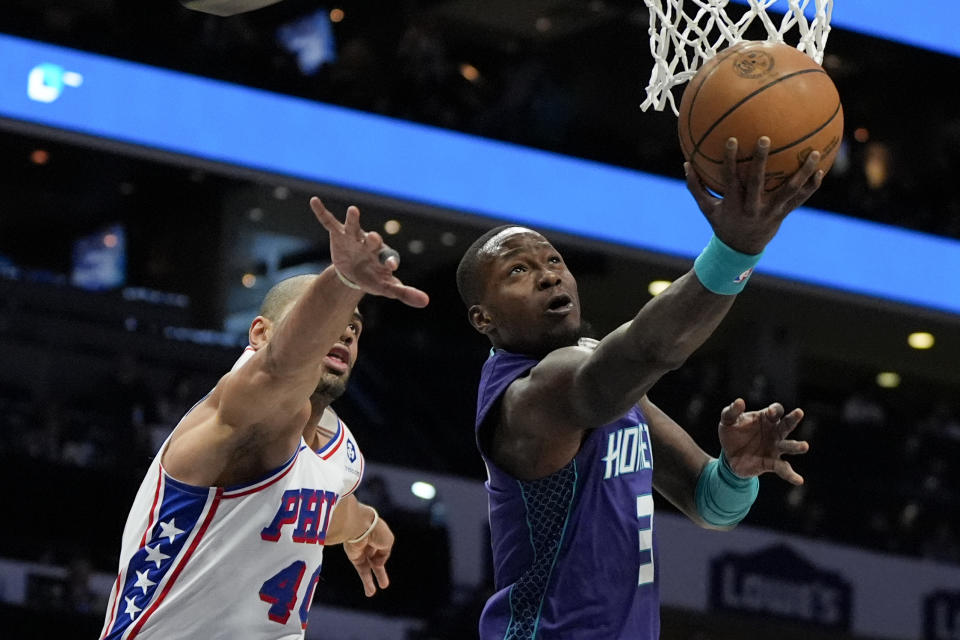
{"x": 530, "y": 297}
{"x": 338, "y": 363}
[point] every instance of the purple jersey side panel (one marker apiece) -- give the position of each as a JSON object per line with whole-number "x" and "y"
{"x": 574, "y": 553}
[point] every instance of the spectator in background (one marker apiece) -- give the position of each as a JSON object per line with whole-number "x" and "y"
{"x": 39, "y": 437}
{"x": 79, "y": 597}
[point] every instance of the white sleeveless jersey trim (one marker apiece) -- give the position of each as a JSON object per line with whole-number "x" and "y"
{"x": 342, "y": 451}
{"x": 334, "y": 443}
{"x": 240, "y": 490}
{"x": 244, "y": 356}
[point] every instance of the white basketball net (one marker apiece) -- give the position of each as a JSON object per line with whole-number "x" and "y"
{"x": 681, "y": 40}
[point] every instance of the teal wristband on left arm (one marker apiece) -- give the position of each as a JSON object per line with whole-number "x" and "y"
{"x": 722, "y": 497}
{"x": 723, "y": 270}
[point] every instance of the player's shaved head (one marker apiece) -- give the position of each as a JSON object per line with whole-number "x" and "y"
{"x": 282, "y": 295}
{"x": 469, "y": 280}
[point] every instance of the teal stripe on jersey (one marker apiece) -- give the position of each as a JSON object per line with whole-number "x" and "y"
{"x": 548, "y": 503}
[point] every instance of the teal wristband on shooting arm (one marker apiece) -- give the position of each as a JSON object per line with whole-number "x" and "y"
{"x": 724, "y": 270}
{"x": 722, "y": 497}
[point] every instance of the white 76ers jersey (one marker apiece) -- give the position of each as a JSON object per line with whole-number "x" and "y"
{"x": 234, "y": 562}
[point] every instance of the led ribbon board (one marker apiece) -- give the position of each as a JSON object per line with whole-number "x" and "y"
{"x": 175, "y": 112}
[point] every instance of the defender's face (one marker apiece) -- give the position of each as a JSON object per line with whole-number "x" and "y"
{"x": 530, "y": 302}
{"x": 337, "y": 365}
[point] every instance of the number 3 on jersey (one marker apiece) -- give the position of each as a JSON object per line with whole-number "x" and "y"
{"x": 645, "y": 524}
{"x": 281, "y": 592}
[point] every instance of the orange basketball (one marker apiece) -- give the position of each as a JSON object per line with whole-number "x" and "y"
{"x": 758, "y": 89}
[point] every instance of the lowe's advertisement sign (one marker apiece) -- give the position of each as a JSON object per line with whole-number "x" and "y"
{"x": 777, "y": 582}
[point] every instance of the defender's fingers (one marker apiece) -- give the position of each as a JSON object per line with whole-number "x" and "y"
{"x": 327, "y": 219}
{"x": 373, "y": 241}
{"x": 389, "y": 258}
{"x": 352, "y": 224}
{"x": 363, "y": 570}
{"x": 410, "y": 296}
{"x": 382, "y": 578}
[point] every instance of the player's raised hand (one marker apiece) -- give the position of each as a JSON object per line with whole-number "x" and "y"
{"x": 754, "y": 441}
{"x": 362, "y": 257}
{"x": 370, "y": 555}
{"x": 748, "y": 217}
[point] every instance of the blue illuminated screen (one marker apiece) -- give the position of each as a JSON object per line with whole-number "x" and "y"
{"x": 327, "y": 145}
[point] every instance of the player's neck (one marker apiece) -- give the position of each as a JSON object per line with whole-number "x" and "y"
{"x": 314, "y": 433}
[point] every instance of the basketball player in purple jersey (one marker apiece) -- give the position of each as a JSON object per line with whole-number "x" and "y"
{"x": 569, "y": 437}
{"x": 226, "y": 534}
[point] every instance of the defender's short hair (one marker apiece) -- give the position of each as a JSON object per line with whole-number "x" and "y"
{"x": 468, "y": 271}
{"x": 282, "y": 294}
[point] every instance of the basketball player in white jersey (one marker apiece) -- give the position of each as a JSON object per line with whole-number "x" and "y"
{"x": 226, "y": 534}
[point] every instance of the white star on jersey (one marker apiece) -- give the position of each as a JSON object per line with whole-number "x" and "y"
{"x": 155, "y": 555}
{"x": 132, "y": 608}
{"x": 143, "y": 581}
{"x": 169, "y": 530}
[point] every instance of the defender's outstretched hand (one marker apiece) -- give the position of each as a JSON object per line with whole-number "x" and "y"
{"x": 747, "y": 217}
{"x": 369, "y": 557}
{"x": 753, "y": 441}
{"x": 356, "y": 254}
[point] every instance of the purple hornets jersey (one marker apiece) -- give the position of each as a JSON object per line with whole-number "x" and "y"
{"x": 574, "y": 553}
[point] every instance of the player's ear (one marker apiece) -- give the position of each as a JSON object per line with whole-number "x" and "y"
{"x": 480, "y": 319}
{"x": 259, "y": 333}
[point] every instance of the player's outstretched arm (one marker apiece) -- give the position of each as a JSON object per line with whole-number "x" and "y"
{"x": 280, "y": 377}
{"x": 669, "y": 328}
{"x": 596, "y": 388}
{"x": 367, "y": 541}
{"x": 270, "y": 393}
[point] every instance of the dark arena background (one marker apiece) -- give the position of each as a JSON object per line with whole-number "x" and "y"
{"x": 155, "y": 168}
